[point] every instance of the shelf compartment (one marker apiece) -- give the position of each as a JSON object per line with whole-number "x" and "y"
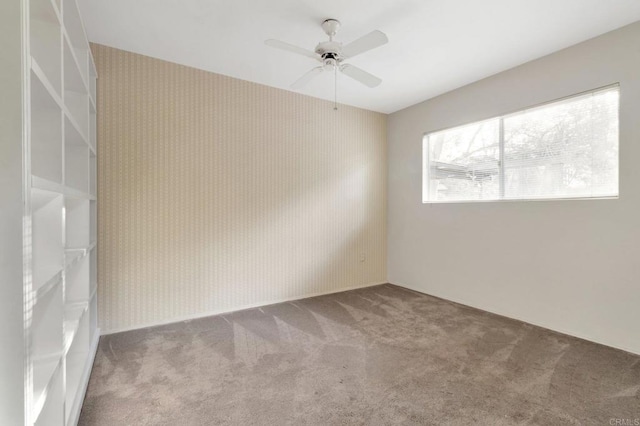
{"x": 74, "y": 26}
{"x": 76, "y": 359}
{"x": 92, "y": 91}
{"x": 77, "y": 282}
{"x": 93, "y": 314}
{"x": 77, "y": 107}
{"x": 49, "y": 408}
{"x": 76, "y": 193}
{"x": 82, "y": 56}
{"x": 47, "y": 185}
{"x": 74, "y": 255}
{"x": 46, "y": 347}
{"x": 93, "y": 130}
{"x": 77, "y": 222}
{"x": 76, "y": 94}
{"x": 93, "y": 232}
{"x": 48, "y": 286}
{"x": 73, "y": 315}
{"x": 76, "y": 164}
{"x": 93, "y": 270}
{"x": 93, "y": 174}
{"x": 44, "y": 10}
{"x": 46, "y": 228}
{"x": 46, "y": 132}
{"x": 75, "y": 71}
{"x": 38, "y": 73}
{"x": 93, "y": 291}
{"x": 45, "y": 40}
{"x": 71, "y": 257}
{"x": 45, "y": 371}
{"x": 46, "y": 343}
{"x": 93, "y": 76}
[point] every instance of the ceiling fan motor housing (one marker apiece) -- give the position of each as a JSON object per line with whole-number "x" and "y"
{"x": 330, "y": 52}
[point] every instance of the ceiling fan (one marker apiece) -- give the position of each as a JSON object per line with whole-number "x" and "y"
{"x": 332, "y": 55}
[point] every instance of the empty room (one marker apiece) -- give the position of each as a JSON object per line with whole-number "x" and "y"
{"x": 298, "y": 212}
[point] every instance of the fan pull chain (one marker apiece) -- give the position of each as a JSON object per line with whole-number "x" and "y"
{"x": 335, "y": 94}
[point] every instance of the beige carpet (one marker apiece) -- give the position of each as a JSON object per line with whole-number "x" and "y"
{"x": 381, "y": 355}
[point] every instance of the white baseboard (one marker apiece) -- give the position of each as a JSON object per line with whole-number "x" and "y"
{"x": 525, "y": 320}
{"x": 238, "y": 308}
{"x": 84, "y": 381}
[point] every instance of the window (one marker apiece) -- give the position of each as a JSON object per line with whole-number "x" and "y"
{"x": 564, "y": 149}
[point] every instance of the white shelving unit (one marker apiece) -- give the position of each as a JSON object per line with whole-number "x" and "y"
{"x": 56, "y": 156}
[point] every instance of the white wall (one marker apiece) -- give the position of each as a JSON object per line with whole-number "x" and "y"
{"x": 570, "y": 266}
{"x": 11, "y": 211}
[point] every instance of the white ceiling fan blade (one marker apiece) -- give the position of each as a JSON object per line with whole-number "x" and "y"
{"x": 370, "y": 41}
{"x": 302, "y": 81}
{"x": 291, "y": 48}
{"x": 360, "y": 75}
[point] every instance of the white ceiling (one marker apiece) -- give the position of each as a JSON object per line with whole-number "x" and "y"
{"x": 434, "y": 45}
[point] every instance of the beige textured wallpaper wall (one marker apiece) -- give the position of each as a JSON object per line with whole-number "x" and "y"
{"x": 217, "y": 194}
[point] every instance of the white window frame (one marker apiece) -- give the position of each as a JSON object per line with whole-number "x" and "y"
{"x": 501, "y": 176}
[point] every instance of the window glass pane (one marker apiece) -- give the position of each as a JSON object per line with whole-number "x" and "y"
{"x": 565, "y": 149}
{"x": 464, "y": 163}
